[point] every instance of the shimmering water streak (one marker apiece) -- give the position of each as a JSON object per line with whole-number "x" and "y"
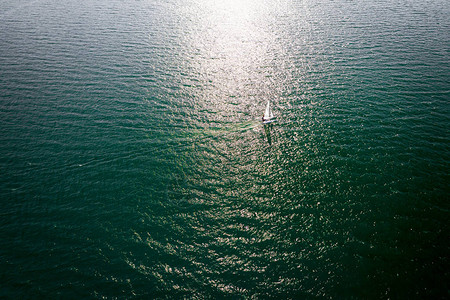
{"x": 133, "y": 163}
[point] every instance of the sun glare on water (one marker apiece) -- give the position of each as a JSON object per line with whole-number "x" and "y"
{"x": 233, "y": 43}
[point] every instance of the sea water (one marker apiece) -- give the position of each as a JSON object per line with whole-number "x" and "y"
{"x": 133, "y": 161}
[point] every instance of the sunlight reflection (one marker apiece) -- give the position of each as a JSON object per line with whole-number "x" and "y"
{"x": 231, "y": 41}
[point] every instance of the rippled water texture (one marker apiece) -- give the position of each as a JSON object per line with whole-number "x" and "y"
{"x": 133, "y": 163}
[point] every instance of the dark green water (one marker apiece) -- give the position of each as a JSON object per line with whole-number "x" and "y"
{"x": 133, "y": 163}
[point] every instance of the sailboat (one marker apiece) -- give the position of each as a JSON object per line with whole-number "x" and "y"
{"x": 268, "y": 115}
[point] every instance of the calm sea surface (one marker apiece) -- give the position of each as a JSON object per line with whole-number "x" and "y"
{"x": 133, "y": 163}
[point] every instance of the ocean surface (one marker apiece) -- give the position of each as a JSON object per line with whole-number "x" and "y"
{"x": 134, "y": 165}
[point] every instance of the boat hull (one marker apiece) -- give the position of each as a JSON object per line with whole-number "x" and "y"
{"x": 269, "y": 121}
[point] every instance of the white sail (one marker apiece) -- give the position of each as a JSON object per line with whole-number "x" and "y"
{"x": 268, "y": 113}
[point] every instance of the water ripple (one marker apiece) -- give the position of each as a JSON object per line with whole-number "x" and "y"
{"x": 134, "y": 163}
